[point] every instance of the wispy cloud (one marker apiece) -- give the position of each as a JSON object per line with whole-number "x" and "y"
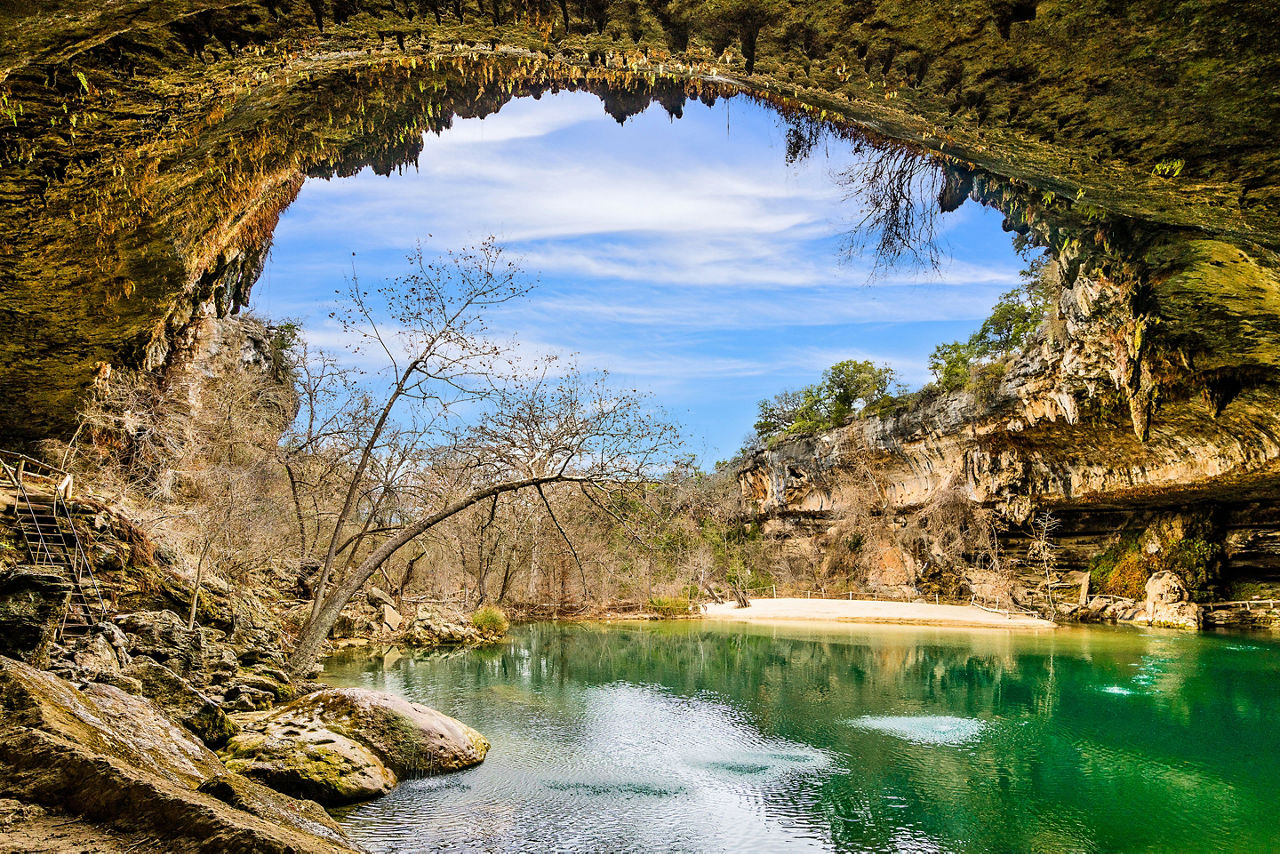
{"x": 691, "y": 262}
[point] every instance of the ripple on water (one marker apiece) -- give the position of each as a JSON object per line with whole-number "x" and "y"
{"x": 924, "y": 729}
{"x": 615, "y": 790}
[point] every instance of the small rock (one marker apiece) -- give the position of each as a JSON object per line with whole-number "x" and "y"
{"x": 244, "y": 698}
{"x": 391, "y": 617}
{"x": 13, "y": 812}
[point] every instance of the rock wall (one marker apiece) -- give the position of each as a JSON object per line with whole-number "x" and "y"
{"x": 1059, "y": 434}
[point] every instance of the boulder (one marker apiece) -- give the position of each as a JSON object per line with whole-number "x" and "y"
{"x": 32, "y": 602}
{"x": 108, "y": 757}
{"x": 94, "y": 657}
{"x": 378, "y": 598}
{"x": 182, "y": 702}
{"x": 163, "y": 637}
{"x": 340, "y": 745}
{"x": 305, "y": 759}
{"x": 106, "y": 719}
{"x": 1168, "y": 603}
{"x": 391, "y": 617}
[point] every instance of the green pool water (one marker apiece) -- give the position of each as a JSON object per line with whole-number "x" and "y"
{"x": 703, "y": 737}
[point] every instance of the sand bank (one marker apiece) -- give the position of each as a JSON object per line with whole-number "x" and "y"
{"x": 864, "y": 611}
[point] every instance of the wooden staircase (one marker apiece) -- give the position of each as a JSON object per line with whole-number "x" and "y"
{"x": 44, "y": 520}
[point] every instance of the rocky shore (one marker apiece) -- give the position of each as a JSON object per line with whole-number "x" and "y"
{"x": 139, "y": 733}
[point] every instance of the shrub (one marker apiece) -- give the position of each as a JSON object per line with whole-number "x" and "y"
{"x": 490, "y": 620}
{"x": 670, "y": 606}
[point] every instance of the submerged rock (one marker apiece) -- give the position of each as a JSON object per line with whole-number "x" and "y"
{"x": 342, "y": 745}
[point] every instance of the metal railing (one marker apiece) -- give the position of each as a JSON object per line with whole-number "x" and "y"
{"x": 75, "y": 560}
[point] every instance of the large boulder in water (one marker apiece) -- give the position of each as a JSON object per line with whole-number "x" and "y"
{"x": 113, "y": 758}
{"x": 342, "y": 745}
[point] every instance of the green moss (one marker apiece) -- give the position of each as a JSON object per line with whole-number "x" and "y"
{"x": 1123, "y": 568}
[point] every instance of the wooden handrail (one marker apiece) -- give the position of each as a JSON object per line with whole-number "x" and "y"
{"x": 32, "y": 461}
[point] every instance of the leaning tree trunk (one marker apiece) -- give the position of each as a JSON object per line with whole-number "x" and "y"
{"x": 326, "y": 610}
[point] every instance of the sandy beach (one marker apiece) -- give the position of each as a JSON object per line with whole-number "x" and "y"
{"x": 863, "y": 611}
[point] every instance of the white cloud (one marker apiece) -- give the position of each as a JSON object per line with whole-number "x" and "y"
{"x": 680, "y": 260}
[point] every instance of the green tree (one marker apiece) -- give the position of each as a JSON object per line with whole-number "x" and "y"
{"x": 846, "y": 389}
{"x": 1013, "y": 318}
{"x": 850, "y": 385}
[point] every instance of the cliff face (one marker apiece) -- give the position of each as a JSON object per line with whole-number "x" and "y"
{"x": 1056, "y": 435}
{"x": 148, "y": 149}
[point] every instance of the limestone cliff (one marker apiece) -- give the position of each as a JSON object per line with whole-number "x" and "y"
{"x": 1057, "y": 435}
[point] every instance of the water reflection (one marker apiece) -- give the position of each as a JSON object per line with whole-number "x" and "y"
{"x": 696, "y": 738}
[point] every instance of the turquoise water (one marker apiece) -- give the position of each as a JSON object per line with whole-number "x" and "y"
{"x": 705, "y": 737}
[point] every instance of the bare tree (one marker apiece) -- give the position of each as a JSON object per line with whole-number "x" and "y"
{"x": 462, "y": 423}
{"x": 898, "y": 187}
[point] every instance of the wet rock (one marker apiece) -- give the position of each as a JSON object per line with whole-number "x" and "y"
{"x": 109, "y": 757}
{"x": 182, "y": 702}
{"x": 32, "y": 602}
{"x": 340, "y": 745}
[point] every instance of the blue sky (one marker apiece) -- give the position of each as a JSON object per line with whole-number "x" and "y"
{"x": 686, "y": 256}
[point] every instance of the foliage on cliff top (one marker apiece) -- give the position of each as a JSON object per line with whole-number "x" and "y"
{"x": 967, "y": 364}
{"x": 846, "y": 389}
